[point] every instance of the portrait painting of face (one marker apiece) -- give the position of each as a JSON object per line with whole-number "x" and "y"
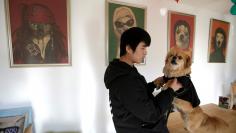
{"x": 121, "y": 16}
{"x": 39, "y": 32}
{"x": 182, "y": 34}
{"x": 181, "y": 28}
{"x": 218, "y": 38}
{"x": 123, "y": 19}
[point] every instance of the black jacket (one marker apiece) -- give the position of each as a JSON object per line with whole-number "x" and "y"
{"x": 188, "y": 91}
{"x": 134, "y": 108}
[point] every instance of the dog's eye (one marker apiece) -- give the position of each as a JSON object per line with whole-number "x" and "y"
{"x": 180, "y": 57}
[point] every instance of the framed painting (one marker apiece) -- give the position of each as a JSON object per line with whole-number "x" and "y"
{"x": 181, "y": 31}
{"x": 38, "y": 32}
{"x": 218, "y": 41}
{"x": 120, "y": 17}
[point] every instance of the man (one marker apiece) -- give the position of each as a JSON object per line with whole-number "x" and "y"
{"x": 134, "y": 108}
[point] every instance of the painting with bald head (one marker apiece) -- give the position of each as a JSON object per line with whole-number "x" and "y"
{"x": 121, "y": 16}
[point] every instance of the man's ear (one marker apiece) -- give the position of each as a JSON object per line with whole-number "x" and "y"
{"x": 128, "y": 49}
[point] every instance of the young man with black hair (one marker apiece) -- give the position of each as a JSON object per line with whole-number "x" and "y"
{"x": 134, "y": 108}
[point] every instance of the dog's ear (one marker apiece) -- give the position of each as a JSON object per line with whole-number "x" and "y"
{"x": 166, "y": 60}
{"x": 167, "y": 57}
{"x": 188, "y": 62}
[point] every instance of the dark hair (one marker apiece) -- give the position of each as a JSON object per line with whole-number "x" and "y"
{"x": 133, "y": 37}
{"x": 220, "y": 30}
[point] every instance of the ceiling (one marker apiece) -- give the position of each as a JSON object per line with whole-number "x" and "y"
{"x": 221, "y": 6}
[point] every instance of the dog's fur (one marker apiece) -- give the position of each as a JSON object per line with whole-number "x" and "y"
{"x": 178, "y": 65}
{"x": 197, "y": 121}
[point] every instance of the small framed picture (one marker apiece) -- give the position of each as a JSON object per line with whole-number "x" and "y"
{"x": 224, "y": 102}
{"x": 181, "y": 31}
{"x": 120, "y": 17}
{"x": 38, "y": 32}
{"x": 218, "y": 41}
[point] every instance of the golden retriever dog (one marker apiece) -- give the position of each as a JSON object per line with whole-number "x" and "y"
{"x": 178, "y": 65}
{"x": 197, "y": 121}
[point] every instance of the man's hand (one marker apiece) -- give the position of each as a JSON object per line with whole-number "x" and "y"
{"x": 173, "y": 84}
{"x": 159, "y": 82}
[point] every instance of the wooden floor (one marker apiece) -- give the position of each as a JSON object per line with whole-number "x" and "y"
{"x": 175, "y": 123}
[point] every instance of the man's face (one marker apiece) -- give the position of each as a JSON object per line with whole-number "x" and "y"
{"x": 219, "y": 39}
{"x": 40, "y": 30}
{"x": 140, "y": 53}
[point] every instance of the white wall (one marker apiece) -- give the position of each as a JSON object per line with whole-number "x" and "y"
{"x": 74, "y": 97}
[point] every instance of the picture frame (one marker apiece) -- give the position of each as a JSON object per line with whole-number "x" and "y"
{"x": 218, "y": 41}
{"x": 224, "y": 102}
{"x": 121, "y": 16}
{"x": 38, "y": 32}
{"x": 181, "y": 31}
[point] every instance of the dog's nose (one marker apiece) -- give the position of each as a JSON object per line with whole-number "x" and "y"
{"x": 173, "y": 61}
{"x": 174, "y": 58}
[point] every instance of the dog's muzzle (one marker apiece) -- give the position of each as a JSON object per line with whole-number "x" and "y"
{"x": 173, "y": 60}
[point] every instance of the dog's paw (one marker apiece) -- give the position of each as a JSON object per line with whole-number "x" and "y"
{"x": 159, "y": 82}
{"x": 167, "y": 84}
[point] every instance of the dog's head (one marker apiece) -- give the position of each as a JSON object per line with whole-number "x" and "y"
{"x": 178, "y": 63}
{"x": 182, "y": 34}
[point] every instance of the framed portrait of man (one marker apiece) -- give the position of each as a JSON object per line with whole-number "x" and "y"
{"x": 38, "y": 32}
{"x": 181, "y": 31}
{"x": 120, "y": 17}
{"x": 218, "y": 41}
